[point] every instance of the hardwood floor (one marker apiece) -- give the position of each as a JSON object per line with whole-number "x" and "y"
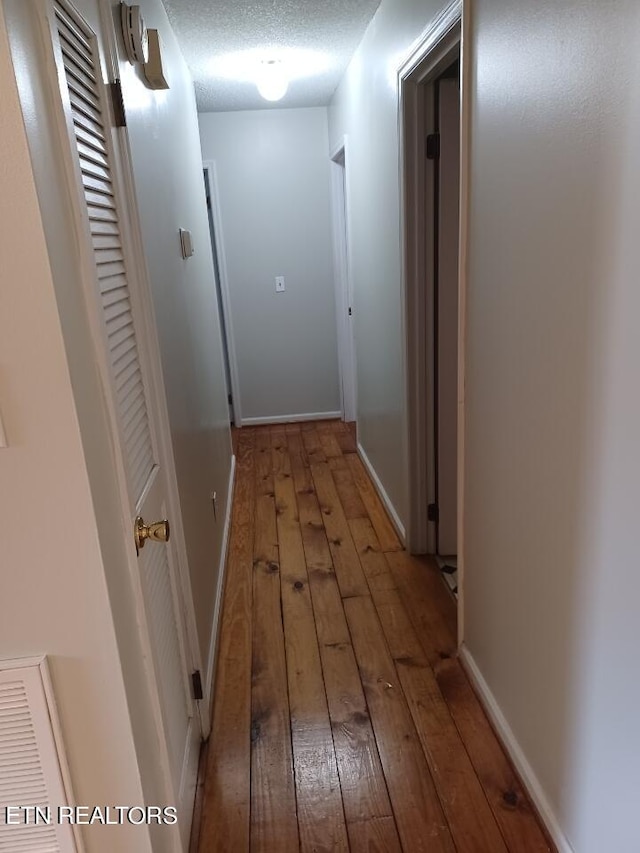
{"x": 342, "y": 719}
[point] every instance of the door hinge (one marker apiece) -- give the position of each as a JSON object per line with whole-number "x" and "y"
{"x": 350, "y": 311}
{"x": 196, "y": 683}
{"x": 432, "y": 512}
{"x": 117, "y": 101}
{"x": 230, "y": 399}
{"x": 433, "y": 146}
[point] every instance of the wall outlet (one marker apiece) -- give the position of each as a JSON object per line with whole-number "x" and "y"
{"x": 279, "y": 284}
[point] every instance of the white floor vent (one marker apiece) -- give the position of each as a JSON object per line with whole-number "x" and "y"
{"x": 33, "y": 770}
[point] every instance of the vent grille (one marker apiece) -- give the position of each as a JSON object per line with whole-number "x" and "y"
{"x": 29, "y": 765}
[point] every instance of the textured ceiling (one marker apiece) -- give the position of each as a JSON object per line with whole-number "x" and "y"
{"x": 224, "y": 41}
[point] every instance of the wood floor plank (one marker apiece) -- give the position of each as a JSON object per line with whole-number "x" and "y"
{"x": 332, "y": 425}
{"x": 347, "y": 441}
{"x": 347, "y": 566}
{"x": 378, "y": 835}
{"x": 429, "y": 603}
{"x": 470, "y": 818}
{"x": 329, "y": 444}
{"x": 311, "y": 440}
{"x": 385, "y": 530}
{"x": 419, "y": 817}
{"x": 400, "y": 635}
{"x": 321, "y": 819}
{"x": 330, "y": 622}
{"x": 348, "y": 492}
{"x": 225, "y": 820}
{"x": 298, "y": 458}
{"x": 509, "y": 802}
{"x": 464, "y": 803}
{"x": 374, "y": 562}
{"x": 274, "y": 825}
{"x": 364, "y": 790}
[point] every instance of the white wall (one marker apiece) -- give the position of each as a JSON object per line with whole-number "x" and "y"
{"x": 553, "y": 416}
{"x": 274, "y": 194}
{"x": 165, "y": 149}
{"x": 365, "y": 107}
{"x": 65, "y": 554}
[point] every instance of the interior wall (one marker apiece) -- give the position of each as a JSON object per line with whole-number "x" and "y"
{"x": 167, "y": 163}
{"x": 53, "y": 563}
{"x": 274, "y": 195}
{"x": 365, "y": 107}
{"x": 552, "y": 417}
{"x": 100, "y": 676}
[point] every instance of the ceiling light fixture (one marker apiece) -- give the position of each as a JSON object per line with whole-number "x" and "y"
{"x": 272, "y": 80}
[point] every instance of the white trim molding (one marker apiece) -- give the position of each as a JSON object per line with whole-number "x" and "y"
{"x": 217, "y": 610}
{"x": 515, "y": 752}
{"x": 384, "y": 497}
{"x": 290, "y": 419}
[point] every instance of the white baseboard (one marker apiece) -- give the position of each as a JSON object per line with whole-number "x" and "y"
{"x": 213, "y": 643}
{"x": 513, "y": 748}
{"x": 289, "y": 419}
{"x": 384, "y": 497}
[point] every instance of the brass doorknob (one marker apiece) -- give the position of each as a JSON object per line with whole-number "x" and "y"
{"x": 158, "y": 531}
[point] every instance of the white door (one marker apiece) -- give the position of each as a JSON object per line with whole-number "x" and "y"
{"x": 125, "y": 354}
{"x": 447, "y": 314}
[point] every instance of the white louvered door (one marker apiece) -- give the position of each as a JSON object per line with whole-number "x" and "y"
{"x": 124, "y": 348}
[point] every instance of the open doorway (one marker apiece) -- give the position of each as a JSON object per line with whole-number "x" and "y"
{"x": 344, "y": 298}
{"x": 431, "y": 121}
{"x": 443, "y": 148}
{"x": 224, "y": 308}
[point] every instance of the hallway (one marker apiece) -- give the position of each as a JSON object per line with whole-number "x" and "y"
{"x": 342, "y": 719}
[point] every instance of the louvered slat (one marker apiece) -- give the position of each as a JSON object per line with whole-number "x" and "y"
{"x": 22, "y": 771}
{"x": 90, "y": 139}
{"x": 83, "y": 79}
{"x": 108, "y": 259}
{"x": 90, "y": 168}
{"x": 93, "y": 183}
{"x": 70, "y": 28}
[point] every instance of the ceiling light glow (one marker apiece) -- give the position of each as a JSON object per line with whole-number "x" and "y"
{"x": 246, "y": 66}
{"x": 272, "y": 80}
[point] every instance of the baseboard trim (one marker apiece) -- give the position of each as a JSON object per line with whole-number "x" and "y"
{"x": 215, "y": 627}
{"x": 384, "y": 497}
{"x": 514, "y": 750}
{"x": 290, "y": 419}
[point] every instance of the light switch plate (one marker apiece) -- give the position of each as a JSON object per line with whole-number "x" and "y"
{"x": 3, "y": 435}
{"x": 279, "y": 284}
{"x": 186, "y": 243}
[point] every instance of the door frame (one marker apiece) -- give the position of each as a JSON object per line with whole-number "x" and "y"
{"x": 210, "y": 170}
{"x": 140, "y": 295}
{"x": 432, "y": 52}
{"x": 338, "y": 160}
